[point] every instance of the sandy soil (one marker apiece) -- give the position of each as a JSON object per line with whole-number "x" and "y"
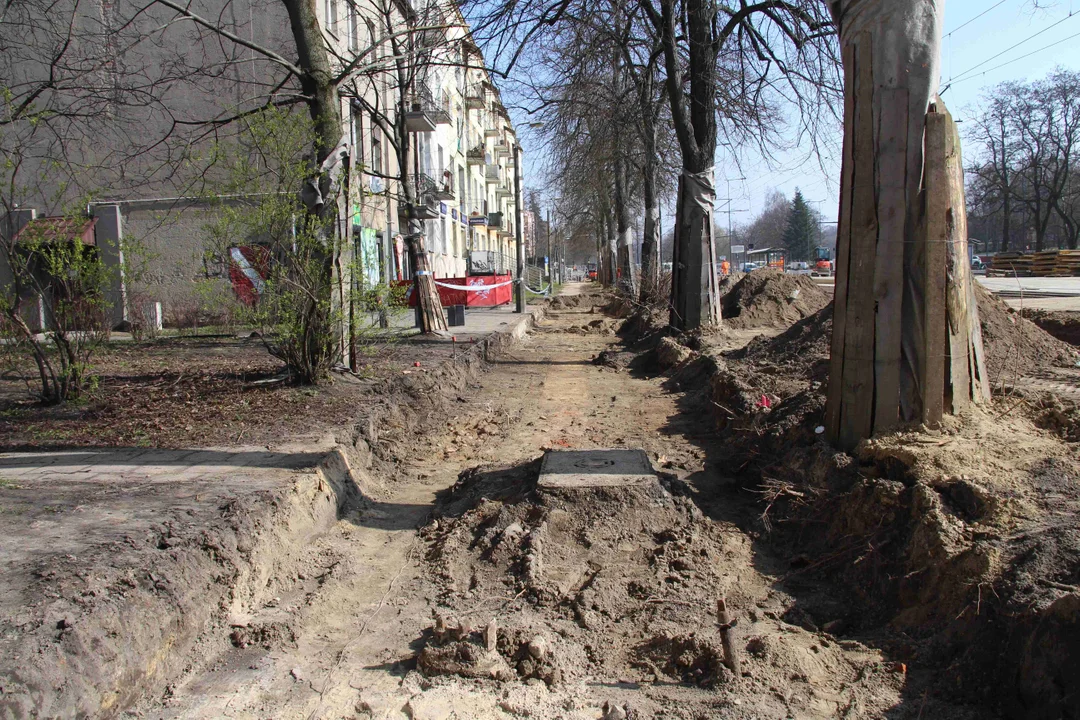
{"x": 619, "y": 614}
{"x": 196, "y": 391}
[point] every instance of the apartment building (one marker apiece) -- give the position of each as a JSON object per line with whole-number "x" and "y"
{"x": 461, "y": 159}
{"x": 463, "y": 145}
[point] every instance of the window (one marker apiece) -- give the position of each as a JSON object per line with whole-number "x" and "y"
{"x": 357, "y": 136}
{"x": 376, "y": 160}
{"x": 354, "y": 28}
{"x": 330, "y": 13}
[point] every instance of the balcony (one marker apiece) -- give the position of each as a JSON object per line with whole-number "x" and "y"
{"x": 495, "y": 220}
{"x": 492, "y": 132}
{"x": 475, "y": 96}
{"x": 492, "y": 174}
{"x": 425, "y": 113}
{"x": 477, "y": 156}
{"x": 427, "y": 194}
{"x": 502, "y": 192}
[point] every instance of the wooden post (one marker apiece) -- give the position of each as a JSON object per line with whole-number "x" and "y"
{"x": 906, "y": 344}
{"x": 727, "y": 637}
{"x": 432, "y": 318}
{"x": 958, "y": 334}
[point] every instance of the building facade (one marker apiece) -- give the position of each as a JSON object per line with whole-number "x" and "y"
{"x": 461, "y": 161}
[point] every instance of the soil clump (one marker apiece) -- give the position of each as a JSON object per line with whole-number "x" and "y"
{"x": 958, "y": 543}
{"x": 769, "y": 297}
{"x": 621, "y": 583}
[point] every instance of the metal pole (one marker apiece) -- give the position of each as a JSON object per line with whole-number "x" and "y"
{"x": 548, "y": 253}
{"x": 517, "y": 231}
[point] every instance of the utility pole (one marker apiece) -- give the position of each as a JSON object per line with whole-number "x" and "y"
{"x": 517, "y": 230}
{"x": 547, "y": 255}
{"x": 728, "y": 181}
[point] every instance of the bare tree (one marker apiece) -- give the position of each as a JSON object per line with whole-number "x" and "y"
{"x": 732, "y": 57}
{"x": 994, "y": 132}
{"x": 1027, "y": 138}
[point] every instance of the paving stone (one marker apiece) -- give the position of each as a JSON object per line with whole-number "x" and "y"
{"x": 596, "y": 468}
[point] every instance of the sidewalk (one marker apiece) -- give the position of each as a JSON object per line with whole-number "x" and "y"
{"x": 114, "y": 562}
{"x": 479, "y": 322}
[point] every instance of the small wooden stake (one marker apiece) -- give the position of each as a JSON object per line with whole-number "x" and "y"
{"x": 491, "y": 635}
{"x": 727, "y": 637}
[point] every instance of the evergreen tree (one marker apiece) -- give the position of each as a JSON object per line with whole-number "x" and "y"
{"x": 800, "y": 234}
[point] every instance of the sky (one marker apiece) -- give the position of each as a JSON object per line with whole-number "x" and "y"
{"x": 986, "y": 42}
{"x": 978, "y": 53}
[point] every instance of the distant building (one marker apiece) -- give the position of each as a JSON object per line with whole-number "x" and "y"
{"x": 463, "y": 162}
{"x": 528, "y": 233}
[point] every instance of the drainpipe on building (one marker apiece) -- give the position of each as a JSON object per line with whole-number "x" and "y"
{"x": 517, "y": 230}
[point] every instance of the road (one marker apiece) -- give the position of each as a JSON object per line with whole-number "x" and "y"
{"x": 347, "y": 649}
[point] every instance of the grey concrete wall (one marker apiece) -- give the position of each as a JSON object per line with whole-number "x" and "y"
{"x": 166, "y": 249}
{"x": 108, "y": 235}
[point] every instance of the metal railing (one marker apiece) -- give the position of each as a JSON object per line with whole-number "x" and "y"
{"x": 422, "y": 100}
{"x": 490, "y": 262}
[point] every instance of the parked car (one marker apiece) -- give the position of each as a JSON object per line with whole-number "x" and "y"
{"x": 978, "y": 267}
{"x": 750, "y": 266}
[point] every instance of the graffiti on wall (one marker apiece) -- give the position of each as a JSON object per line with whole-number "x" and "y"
{"x": 249, "y": 266}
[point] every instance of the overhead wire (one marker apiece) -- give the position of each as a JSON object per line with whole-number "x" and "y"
{"x": 989, "y": 60}
{"x": 964, "y": 25}
{"x": 948, "y": 35}
{"x": 1018, "y": 59}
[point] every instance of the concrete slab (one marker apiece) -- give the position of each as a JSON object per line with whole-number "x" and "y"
{"x": 596, "y": 468}
{"x": 1039, "y": 293}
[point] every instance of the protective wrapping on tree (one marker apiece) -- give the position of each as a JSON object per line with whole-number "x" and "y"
{"x": 700, "y": 303}
{"x": 884, "y": 351}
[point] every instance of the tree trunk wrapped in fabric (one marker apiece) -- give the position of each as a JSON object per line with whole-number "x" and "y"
{"x": 906, "y": 342}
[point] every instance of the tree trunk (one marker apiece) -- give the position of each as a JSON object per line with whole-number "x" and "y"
{"x": 328, "y": 330}
{"x": 625, "y": 240}
{"x": 432, "y": 317}
{"x": 1006, "y": 209}
{"x": 650, "y": 241}
{"x": 899, "y": 276}
{"x": 611, "y": 267}
{"x": 694, "y": 291}
{"x": 695, "y": 298}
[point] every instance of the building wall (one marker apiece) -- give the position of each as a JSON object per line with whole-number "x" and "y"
{"x": 167, "y": 240}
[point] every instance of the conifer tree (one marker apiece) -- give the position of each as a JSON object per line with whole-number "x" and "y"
{"x": 800, "y": 232}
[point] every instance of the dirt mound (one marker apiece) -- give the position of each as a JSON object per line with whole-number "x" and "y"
{"x": 566, "y": 302}
{"x": 620, "y": 306}
{"x": 601, "y": 326}
{"x": 1015, "y": 345}
{"x": 799, "y": 354}
{"x": 612, "y": 358}
{"x": 1062, "y": 324}
{"x": 802, "y": 351}
{"x": 610, "y": 580}
{"x": 670, "y": 353}
{"x": 947, "y": 535}
{"x": 770, "y": 298}
{"x": 729, "y": 281}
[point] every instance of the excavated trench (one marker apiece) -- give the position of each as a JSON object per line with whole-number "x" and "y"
{"x": 442, "y": 581}
{"x": 460, "y": 588}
